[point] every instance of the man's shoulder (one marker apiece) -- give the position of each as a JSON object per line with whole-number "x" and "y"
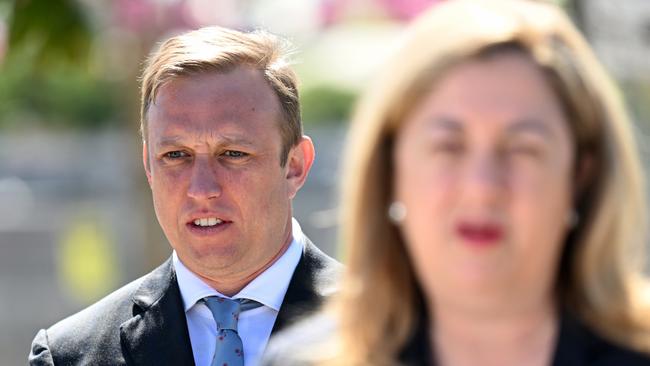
{"x": 318, "y": 259}
{"x": 324, "y": 271}
{"x": 314, "y": 280}
{"x": 109, "y": 309}
{"x": 96, "y": 329}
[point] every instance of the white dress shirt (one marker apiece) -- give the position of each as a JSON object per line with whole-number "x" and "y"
{"x": 255, "y": 325}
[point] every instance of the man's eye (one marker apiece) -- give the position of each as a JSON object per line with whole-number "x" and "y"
{"x": 175, "y": 154}
{"x": 234, "y": 154}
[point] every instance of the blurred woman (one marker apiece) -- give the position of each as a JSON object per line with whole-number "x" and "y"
{"x": 493, "y": 208}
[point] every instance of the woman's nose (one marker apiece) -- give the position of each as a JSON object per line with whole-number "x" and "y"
{"x": 485, "y": 177}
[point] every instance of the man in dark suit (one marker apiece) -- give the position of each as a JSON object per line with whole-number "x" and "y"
{"x": 224, "y": 155}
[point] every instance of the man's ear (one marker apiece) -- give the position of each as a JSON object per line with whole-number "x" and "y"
{"x": 299, "y": 162}
{"x": 145, "y": 162}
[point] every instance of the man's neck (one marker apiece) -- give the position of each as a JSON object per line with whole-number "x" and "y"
{"x": 236, "y": 287}
{"x": 518, "y": 338}
{"x": 231, "y": 285}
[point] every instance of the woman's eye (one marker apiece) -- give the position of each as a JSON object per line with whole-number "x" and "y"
{"x": 529, "y": 151}
{"x": 234, "y": 154}
{"x": 175, "y": 154}
{"x": 448, "y": 147}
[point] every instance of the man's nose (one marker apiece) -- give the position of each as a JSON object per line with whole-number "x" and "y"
{"x": 204, "y": 179}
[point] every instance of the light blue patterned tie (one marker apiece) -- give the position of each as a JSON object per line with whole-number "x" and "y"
{"x": 229, "y": 350}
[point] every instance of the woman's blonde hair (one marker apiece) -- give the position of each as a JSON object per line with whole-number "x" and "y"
{"x": 602, "y": 259}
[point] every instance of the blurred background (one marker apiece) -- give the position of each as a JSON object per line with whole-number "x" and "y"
{"x": 76, "y": 218}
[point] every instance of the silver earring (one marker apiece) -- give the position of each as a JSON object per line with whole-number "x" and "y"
{"x": 396, "y": 212}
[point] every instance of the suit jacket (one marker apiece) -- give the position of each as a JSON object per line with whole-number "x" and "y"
{"x": 576, "y": 345}
{"x": 143, "y": 323}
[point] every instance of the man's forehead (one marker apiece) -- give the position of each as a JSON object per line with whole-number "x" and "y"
{"x": 240, "y": 95}
{"x": 242, "y": 82}
{"x": 208, "y": 98}
{"x": 225, "y": 129}
{"x": 177, "y": 138}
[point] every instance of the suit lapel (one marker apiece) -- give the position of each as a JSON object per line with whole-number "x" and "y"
{"x": 157, "y": 334}
{"x": 313, "y": 280}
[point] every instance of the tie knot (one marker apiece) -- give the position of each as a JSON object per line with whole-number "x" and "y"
{"x": 225, "y": 311}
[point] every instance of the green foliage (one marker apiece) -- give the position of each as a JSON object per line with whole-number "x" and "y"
{"x": 46, "y": 79}
{"x": 62, "y": 97}
{"x": 54, "y": 31}
{"x": 326, "y": 104}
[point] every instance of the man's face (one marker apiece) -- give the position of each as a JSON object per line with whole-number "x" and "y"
{"x": 219, "y": 192}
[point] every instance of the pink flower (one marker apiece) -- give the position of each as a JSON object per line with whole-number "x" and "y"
{"x": 406, "y": 9}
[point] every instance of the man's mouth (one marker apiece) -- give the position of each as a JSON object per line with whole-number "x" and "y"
{"x": 207, "y": 221}
{"x": 207, "y": 225}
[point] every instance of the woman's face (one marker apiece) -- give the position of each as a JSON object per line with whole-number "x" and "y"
{"x": 484, "y": 166}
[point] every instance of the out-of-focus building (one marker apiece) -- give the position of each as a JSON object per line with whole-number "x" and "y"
{"x": 619, "y": 32}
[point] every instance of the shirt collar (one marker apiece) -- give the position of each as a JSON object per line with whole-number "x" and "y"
{"x": 268, "y": 288}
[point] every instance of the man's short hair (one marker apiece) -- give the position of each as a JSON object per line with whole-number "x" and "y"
{"x": 217, "y": 49}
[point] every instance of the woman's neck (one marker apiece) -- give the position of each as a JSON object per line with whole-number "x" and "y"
{"x": 524, "y": 337}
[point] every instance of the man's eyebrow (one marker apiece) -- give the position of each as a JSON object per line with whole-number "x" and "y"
{"x": 530, "y": 125}
{"x": 169, "y": 141}
{"x": 235, "y": 140}
{"x": 223, "y": 140}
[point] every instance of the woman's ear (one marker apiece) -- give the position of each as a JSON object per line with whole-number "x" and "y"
{"x": 585, "y": 170}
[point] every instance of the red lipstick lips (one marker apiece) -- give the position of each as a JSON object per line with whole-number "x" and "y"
{"x": 483, "y": 234}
